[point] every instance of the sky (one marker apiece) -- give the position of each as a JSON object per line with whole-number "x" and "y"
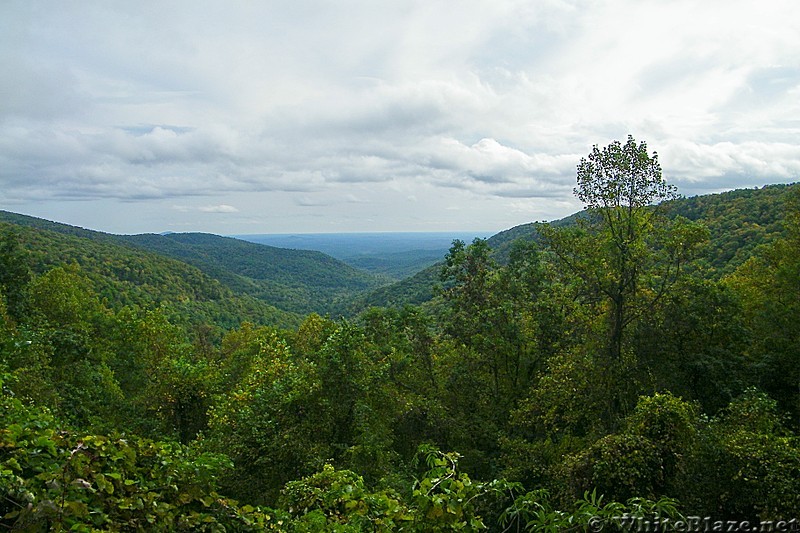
{"x": 243, "y": 117}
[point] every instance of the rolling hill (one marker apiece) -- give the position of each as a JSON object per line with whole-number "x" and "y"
{"x": 207, "y": 272}
{"x": 123, "y": 275}
{"x": 299, "y": 281}
{"x": 738, "y": 221}
{"x": 396, "y": 255}
{"x": 223, "y": 276}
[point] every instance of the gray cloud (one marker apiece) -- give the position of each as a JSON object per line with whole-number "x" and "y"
{"x": 365, "y": 109}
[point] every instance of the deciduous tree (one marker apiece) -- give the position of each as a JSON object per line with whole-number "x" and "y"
{"x": 625, "y": 254}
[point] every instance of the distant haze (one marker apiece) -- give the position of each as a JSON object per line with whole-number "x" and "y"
{"x": 397, "y": 255}
{"x": 347, "y": 245}
{"x": 363, "y": 116}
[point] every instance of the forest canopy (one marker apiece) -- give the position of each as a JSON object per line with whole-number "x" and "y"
{"x": 638, "y": 361}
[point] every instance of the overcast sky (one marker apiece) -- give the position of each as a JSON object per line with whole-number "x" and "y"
{"x": 378, "y": 115}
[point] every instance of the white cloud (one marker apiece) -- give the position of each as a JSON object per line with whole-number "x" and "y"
{"x": 697, "y": 163}
{"x": 221, "y": 208}
{"x": 331, "y": 105}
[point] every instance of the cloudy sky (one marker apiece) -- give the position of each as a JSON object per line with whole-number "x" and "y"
{"x": 380, "y": 115}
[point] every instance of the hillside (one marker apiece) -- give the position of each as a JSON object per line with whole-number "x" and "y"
{"x": 738, "y": 221}
{"x": 134, "y": 391}
{"x": 294, "y": 281}
{"x": 397, "y": 265}
{"x": 414, "y": 290}
{"x": 125, "y": 275}
{"x": 396, "y": 255}
{"x": 299, "y": 281}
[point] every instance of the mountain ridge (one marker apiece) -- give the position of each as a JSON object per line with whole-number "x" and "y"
{"x": 300, "y": 282}
{"x": 739, "y": 221}
{"x": 297, "y": 282}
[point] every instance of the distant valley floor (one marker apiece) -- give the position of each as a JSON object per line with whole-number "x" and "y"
{"x": 397, "y": 255}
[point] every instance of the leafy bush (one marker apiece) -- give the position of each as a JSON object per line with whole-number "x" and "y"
{"x": 56, "y": 479}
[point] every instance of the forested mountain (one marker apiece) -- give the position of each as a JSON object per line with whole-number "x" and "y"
{"x": 397, "y": 265}
{"x": 397, "y": 255}
{"x": 635, "y": 363}
{"x": 413, "y": 290}
{"x": 299, "y": 281}
{"x": 296, "y": 282}
{"x": 738, "y": 222}
{"x": 125, "y": 275}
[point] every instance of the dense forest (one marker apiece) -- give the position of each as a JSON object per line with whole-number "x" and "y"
{"x": 637, "y": 361}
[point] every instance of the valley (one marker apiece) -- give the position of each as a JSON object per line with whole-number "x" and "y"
{"x": 276, "y": 375}
{"x": 396, "y": 255}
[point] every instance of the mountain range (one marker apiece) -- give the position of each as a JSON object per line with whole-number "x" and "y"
{"x": 225, "y": 280}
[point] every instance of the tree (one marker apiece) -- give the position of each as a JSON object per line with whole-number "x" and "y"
{"x": 54, "y": 478}
{"x": 409, "y": 378}
{"x": 165, "y": 382}
{"x": 747, "y": 465}
{"x": 624, "y": 252}
{"x": 694, "y": 344}
{"x": 619, "y": 184}
{"x": 647, "y": 458}
{"x": 769, "y": 286}
{"x": 67, "y": 324}
{"x": 621, "y": 176}
{"x": 503, "y": 314}
{"x": 271, "y": 425}
{"x": 14, "y": 273}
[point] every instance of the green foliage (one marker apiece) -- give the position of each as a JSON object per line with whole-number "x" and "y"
{"x": 312, "y": 334}
{"x": 621, "y": 176}
{"x": 121, "y": 275}
{"x": 503, "y": 324}
{"x": 337, "y": 500}
{"x": 647, "y": 458}
{"x": 55, "y": 479}
{"x": 593, "y": 371}
{"x": 414, "y": 290}
{"x": 623, "y": 257}
{"x": 443, "y": 499}
{"x": 769, "y": 287}
{"x": 694, "y": 344}
{"x": 59, "y": 345}
{"x": 14, "y": 272}
{"x": 297, "y": 281}
{"x": 739, "y": 222}
{"x": 395, "y": 265}
{"x": 64, "y": 297}
{"x": 750, "y": 462}
{"x": 270, "y": 424}
{"x": 27, "y": 359}
{"x": 407, "y": 401}
{"x": 446, "y": 499}
{"x": 534, "y": 511}
{"x": 668, "y": 422}
{"x": 558, "y": 405}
